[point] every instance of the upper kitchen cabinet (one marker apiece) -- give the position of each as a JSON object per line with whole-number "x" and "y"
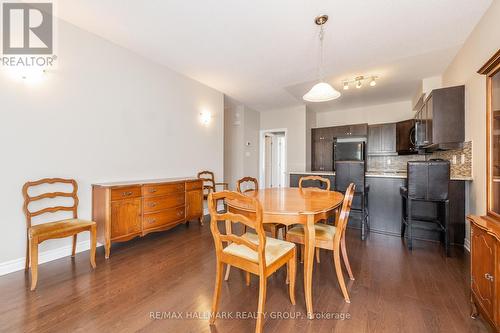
{"x": 356, "y": 130}
{"x": 322, "y": 149}
{"x": 405, "y": 137}
{"x": 440, "y": 122}
{"x": 382, "y": 139}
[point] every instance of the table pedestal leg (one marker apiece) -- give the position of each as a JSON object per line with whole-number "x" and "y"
{"x": 309, "y": 262}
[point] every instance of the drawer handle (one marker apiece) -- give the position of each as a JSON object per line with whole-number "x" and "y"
{"x": 152, "y": 221}
{"x": 180, "y": 187}
{"x": 152, "y": 204}
{"x": 180, "y": 213}
{"x": 152, "y": 190}
{"x": 126, "y": 194}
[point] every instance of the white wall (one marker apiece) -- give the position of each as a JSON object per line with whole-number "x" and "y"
{"x": 294, "y": 121}
{"x": 104, "y": 114}
{"x": 482, "y": 43}
{"x": 373, "y": 114}
{"x": 241, "y": 125}
{"x": 310, "y": 123}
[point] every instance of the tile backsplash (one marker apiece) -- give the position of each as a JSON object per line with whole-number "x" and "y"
{"x": 398, "y": 162}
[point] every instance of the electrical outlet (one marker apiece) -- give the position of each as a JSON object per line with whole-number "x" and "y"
{"x": 462, "y": 159}
{"x": 454, "y": 160}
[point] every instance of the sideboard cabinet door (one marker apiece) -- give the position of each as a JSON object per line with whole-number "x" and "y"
{"x": 127, "y": 218}
{"x": 194, "y": 204}
{"x": 483, "y": 269}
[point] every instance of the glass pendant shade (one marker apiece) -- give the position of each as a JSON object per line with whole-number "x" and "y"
{"x": 321, "y": 92}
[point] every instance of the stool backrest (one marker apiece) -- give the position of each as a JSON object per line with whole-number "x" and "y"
{"x": 428, "y": 180}
{"x": 347, "y": 172}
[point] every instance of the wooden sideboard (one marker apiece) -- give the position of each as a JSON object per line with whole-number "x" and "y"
{"x": 125, "y": 210}
{"x": 485, "y": 269}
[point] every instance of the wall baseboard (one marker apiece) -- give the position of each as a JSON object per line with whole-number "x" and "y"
{"x": 43, "y": 257}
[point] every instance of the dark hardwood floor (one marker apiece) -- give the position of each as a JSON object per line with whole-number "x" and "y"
{"x": 174, "y": 271}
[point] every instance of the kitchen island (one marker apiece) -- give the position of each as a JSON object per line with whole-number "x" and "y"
{"x": 385, "y": 204}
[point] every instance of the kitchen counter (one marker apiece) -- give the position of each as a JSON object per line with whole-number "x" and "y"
{"x": 371, "y": 174}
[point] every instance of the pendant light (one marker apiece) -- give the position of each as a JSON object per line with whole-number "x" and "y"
{"x": 322, "y": 91}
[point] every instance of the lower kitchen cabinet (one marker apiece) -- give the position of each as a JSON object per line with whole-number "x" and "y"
{"x": 385, "y": 205}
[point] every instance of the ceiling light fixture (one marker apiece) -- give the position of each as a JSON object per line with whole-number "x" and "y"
{"x": 322, "y": 91}
{"x": 359, "y": 80}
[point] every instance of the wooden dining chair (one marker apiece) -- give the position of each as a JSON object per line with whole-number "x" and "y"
{"x": 253, "y": 253}
{"x": 51, "y": 230}
{"x": 331, "y": 237}
{"x": 320, "y": 183}
{"x": 209, "y": 184}
{"x": 272, "y": 228}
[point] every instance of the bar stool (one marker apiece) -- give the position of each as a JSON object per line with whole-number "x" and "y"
{"x": 428, "y": 181}
{"x": 347, "y": 172}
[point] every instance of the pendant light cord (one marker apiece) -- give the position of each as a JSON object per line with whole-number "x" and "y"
{"x": 320, "y": 62}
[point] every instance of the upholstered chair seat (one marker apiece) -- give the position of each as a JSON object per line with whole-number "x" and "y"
{"x": 324, "y": 232}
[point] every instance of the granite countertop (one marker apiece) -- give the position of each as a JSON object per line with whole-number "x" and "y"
{"x": 145, "y": 181}
{"x": 374, "y": 174}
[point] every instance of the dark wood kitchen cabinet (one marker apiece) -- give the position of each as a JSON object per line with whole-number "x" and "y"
{"x": 382, "y": 139}
{"x": 441, "y": 119}
{"x": 355, "y": 130}
{"x": 322, "y": 149}
{"x": 405, "y": 137}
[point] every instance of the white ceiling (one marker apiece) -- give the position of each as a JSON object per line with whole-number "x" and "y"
{"x": 264, "y": 53}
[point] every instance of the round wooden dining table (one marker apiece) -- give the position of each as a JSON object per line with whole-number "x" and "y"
{"x": 294, "y": 206}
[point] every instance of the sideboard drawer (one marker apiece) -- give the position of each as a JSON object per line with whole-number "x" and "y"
{"x": 194, "y": 185}
{"x": 162, "y": 189}
{"x": 154, "y": 220}
{"x": 125, "y": 192}
{"x": 156, "y": 203}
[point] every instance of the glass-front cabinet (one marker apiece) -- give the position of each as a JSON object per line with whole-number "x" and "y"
{"x": 492, "y": 72}
{"x": 494, "y": 137}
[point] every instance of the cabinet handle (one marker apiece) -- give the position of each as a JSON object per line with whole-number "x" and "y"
{"x": 152, "y": 204}
{"x": 126, "y": 194}
{"x": 152, "y": 190}
{"x": 489, "y": 277}
{"x": 180, "y": 213}
{"x": 152, "y": 220}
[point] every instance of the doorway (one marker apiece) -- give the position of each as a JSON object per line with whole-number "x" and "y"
{"x": 273, "y": 158}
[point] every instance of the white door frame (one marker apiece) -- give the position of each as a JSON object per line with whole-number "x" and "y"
{"x": 262, "y": 148}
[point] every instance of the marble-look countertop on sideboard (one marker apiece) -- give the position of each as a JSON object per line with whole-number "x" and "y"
{"x": 372, "y": 174}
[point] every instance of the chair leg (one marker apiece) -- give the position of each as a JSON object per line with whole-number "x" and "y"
{"x": 93, "y": 243}
{"x": 409, "y": 222}
{"x": 302, "y": 253}
{"x": 274, "y": 232}
{"x": 345, "y": 257}
{"x": 73, "y": 249}
{"x": 292, "y": 272}
{"x": 218, "y": 284}
{"x": 403, "y": 214}
{"x": 34, "y": 262}
{"x": 262, "y": 303}
{"x": 228, "y": 270}
{"x": 446, "y": 225}
{"x": 340, "y": 276}
{"x": 27, "y": 265}
{"x": 317, "y": 255}
{"x": 247, "y": 278}
{"x": 201, "y": 221}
